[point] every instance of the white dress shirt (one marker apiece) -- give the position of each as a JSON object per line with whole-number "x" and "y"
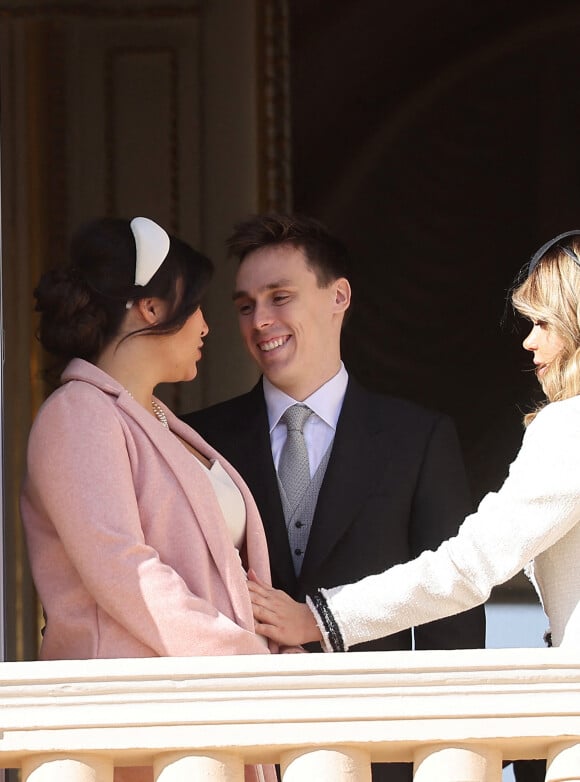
{"x": 319, "y": 430}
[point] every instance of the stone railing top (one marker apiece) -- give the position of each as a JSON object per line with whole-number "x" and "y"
{"x": 521, "y": 699}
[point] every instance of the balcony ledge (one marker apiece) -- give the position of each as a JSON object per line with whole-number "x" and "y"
{"x": 518, "y": 701}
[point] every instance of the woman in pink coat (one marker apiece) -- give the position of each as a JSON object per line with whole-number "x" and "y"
{"x": 139, "y": 533}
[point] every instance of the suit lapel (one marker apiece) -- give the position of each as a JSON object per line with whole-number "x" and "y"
{"x": 253, "y": 454}
{"x": 353, "y": 470}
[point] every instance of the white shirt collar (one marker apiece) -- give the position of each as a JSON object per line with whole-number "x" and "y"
{"x": 326, "y": 401}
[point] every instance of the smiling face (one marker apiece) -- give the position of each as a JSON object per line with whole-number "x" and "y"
{"x": 545, "y": 344}
{"x": 290, "y": 325}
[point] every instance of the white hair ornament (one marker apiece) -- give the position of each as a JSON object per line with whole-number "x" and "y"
{"x": 152, "y": 245}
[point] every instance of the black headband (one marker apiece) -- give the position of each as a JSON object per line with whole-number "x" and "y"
{"x": 555, "y": 242}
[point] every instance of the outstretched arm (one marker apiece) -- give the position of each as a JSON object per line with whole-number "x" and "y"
{"x": 537, "y": 505}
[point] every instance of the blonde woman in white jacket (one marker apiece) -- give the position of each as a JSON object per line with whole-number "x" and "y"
{"x": 532, "y": 522}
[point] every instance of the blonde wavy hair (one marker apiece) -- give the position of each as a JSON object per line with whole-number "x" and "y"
{"x": 551, "y": 295}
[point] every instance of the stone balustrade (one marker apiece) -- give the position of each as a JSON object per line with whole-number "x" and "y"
{"x": 456, "y": 715}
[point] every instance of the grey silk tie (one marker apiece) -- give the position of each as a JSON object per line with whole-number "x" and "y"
{"x": 294, "y": 467}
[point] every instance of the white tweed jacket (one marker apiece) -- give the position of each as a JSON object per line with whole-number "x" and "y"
{"x": 532, "y": 522}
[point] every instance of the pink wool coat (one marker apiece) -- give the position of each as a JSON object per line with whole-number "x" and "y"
{"x": 129, "y": 550}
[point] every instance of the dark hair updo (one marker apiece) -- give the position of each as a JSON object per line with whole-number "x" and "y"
{"x": 83, "y": 305}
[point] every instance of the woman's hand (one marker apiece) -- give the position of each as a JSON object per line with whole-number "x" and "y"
{"x": 279, "y": 617}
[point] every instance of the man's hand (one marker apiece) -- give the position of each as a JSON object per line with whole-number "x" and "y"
{"x": 279, "y": 617}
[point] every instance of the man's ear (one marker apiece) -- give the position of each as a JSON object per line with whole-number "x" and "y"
{"x": 151, "y": 310}
{"x": 342, "y": 294}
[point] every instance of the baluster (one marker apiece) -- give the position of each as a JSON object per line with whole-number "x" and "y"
{"x": 216, "y": 767}
{"x": 326, "y": 765}
{"x": 457, "y": 764}
{"x": 563, "y": 763}
{"x": 48, "y": 768}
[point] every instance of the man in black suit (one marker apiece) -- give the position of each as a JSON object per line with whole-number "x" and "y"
{"x": 388, "y": 474}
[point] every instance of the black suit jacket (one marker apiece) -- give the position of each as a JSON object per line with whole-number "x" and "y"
{"x": 395, "y": 485}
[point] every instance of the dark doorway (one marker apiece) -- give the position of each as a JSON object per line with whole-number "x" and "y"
{"x": 439, "y": 140}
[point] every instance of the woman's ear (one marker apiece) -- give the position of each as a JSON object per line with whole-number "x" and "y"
{"x": 152, "y": 310}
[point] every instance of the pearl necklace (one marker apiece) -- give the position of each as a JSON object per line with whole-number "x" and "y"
{"x": 158, "y": 411}
{"x": 160, "y": 414}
